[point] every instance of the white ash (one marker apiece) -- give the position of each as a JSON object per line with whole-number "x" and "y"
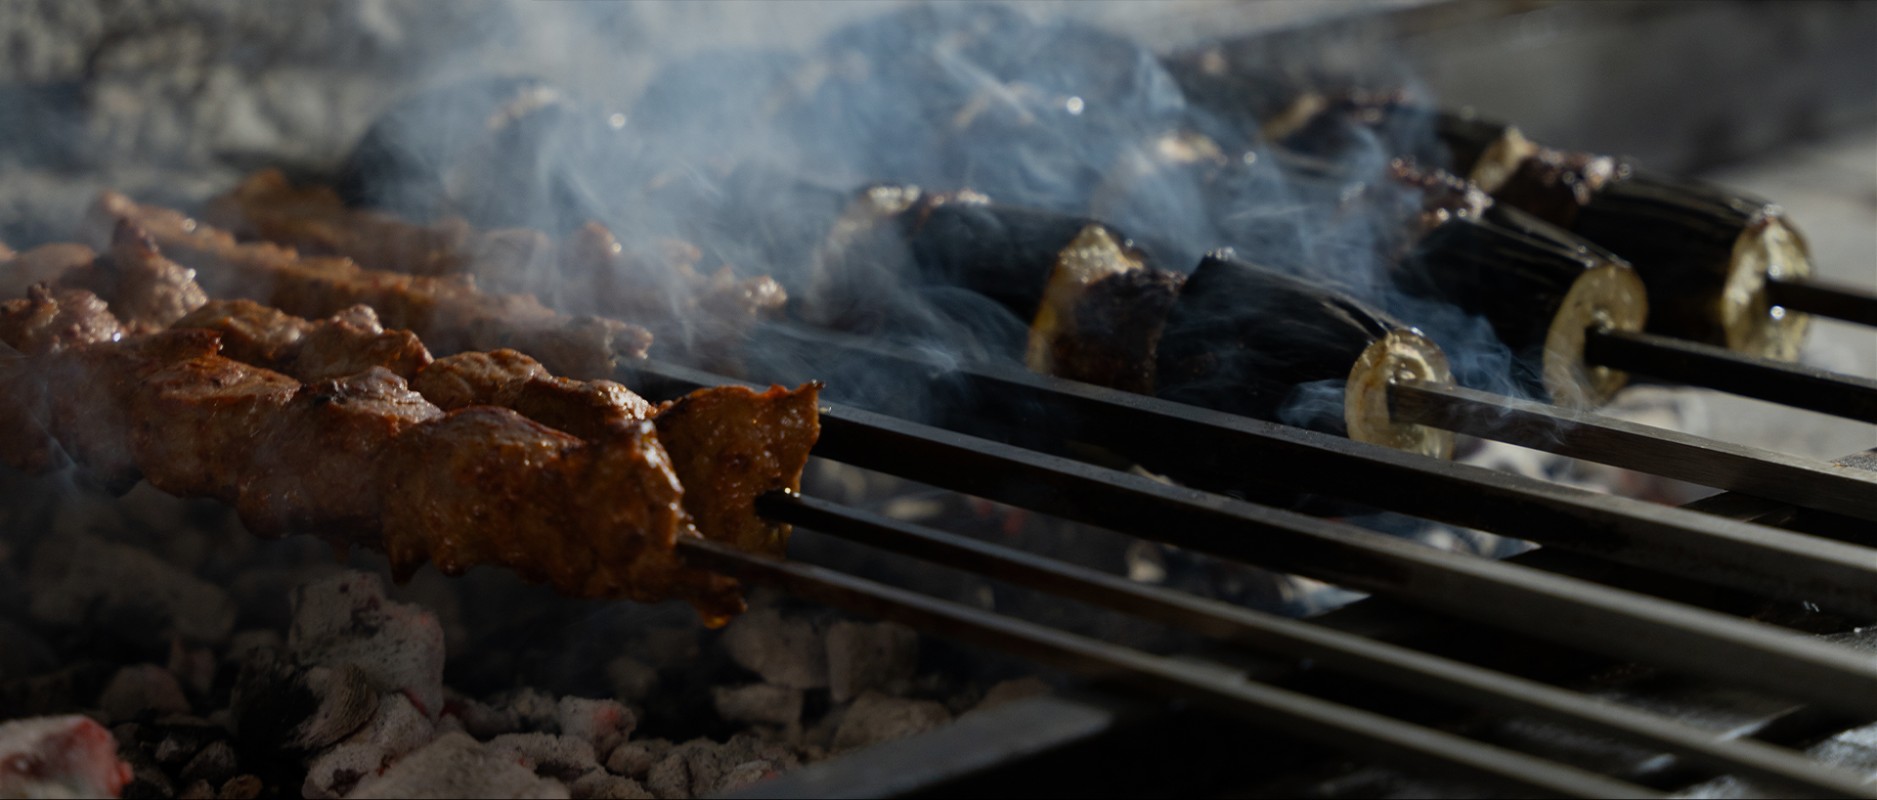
{"x": 346, "y": 619}
{"x": 551, "y": 755}
{"x": 603, "y": 724}
{"x": 786, "y": 651}
{"x": 870, "y": 656}
{"x": 396, "y": 728}
{"x": 457, "y": 766}
{"x": 600, "y": 785}
{"x": 876, "y": 718}
{"x": 759, "y": 704}
{"x": 81, "y": 580}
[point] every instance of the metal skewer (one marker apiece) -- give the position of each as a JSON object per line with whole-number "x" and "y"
{"x": 1719, "y": 368}
{"x": 1824, "y": 299}
{"x": 1325, "y": 722}
{"x": 1708, "y": 462}
{"x": 1390, "y": 664}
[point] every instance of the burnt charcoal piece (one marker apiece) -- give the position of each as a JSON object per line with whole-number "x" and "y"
{"x": 1539, "y": 293}
{"x": 1705, "y": 255}
{"x": 1251, "y": 341}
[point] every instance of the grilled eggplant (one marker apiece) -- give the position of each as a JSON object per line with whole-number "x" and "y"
{"x": 1481, "y": 263}
{"x": 1252, "y": 341}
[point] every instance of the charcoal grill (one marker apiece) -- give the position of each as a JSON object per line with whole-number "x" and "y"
{"x": 1727, "y": 589}
{"x": 1619, "y": 581}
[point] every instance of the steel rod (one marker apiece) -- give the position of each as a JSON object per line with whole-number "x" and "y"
{"x": 1824, "y": 299}
{"x": 1708, "y": 462}
{"x": 1719, "y": 368}
{"x": 1327, "y": 723}
{"x": 1397, "y": 666}
{"x": 1618, "y": 623}
{"x": 1223, "y": 449}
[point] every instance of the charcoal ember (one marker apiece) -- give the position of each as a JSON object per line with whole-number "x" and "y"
{"x": 785, "y": 651}
{"x": 601, "y": 786}
{"x": 759, "y": 704}
{"x": 278, "y": 706}
{"x": 142, "y": 688}
{"x": 1010, "y": 691}
{"x": 457, "y": 766}
{"x": 868, "y": 656}
{"x": 601, "y": 723}
{"x": 563, "y": 757}
{"x": 396, "y": 729}
{"x": 635, "y": 759}
{"x": 68, "y": 756}
{"x": 214, "y": 764}
{"x": 81, "y": 580}
{"x": 632, "y": 680}
{"x": 876, "y": 718}
{"x": 347, "y": 620}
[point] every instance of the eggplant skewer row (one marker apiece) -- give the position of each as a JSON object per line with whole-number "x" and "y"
{"x": 1712, "y": 258}
{"x": 1234, "y": 336}
{"x": 593, "y": 505}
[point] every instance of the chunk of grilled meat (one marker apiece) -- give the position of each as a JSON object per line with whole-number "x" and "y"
{"x": 451, "y": 314}
{"x": 733, "y": 445}
{"x": 42, "y": 323}
{"x": 146, "y": 291}
{"x": 509, "y": 379}
{"x": 346, "y": 343}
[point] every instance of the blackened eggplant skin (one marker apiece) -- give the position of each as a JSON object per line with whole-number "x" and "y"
{"x": 1252, "y": 341}
{"x": 1705, "y": 254}
{"x": 1538, "y": 287}
{"x": 1002, "y": 252}
{"x": 1116, "y": 329}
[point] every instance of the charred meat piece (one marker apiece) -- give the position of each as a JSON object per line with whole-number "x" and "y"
{"x": 49, "y": 320}
{"x": 1256, "y": 342}
{"x": 146, "y": 291}
{"x": 450, "y": 314}
{"x": 731, "y": 445}
{"x": 344, "y": 344}
{"x": 314, "y": 469}
{"x": 41, "y": 324}
{"x": 1114, "y": 329}
{"x": 596, "y": 518}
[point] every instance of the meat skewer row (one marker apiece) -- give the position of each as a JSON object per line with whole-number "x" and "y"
{"x": 355, "y": 459}
{"x": 586, "y": 271}
{"x": 1712, "y": 258}
{"x": 451, "y": 314}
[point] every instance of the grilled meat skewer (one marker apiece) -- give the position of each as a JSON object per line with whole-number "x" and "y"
{"x": 450, "y": 314}
{"x": 170, "y": 407}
